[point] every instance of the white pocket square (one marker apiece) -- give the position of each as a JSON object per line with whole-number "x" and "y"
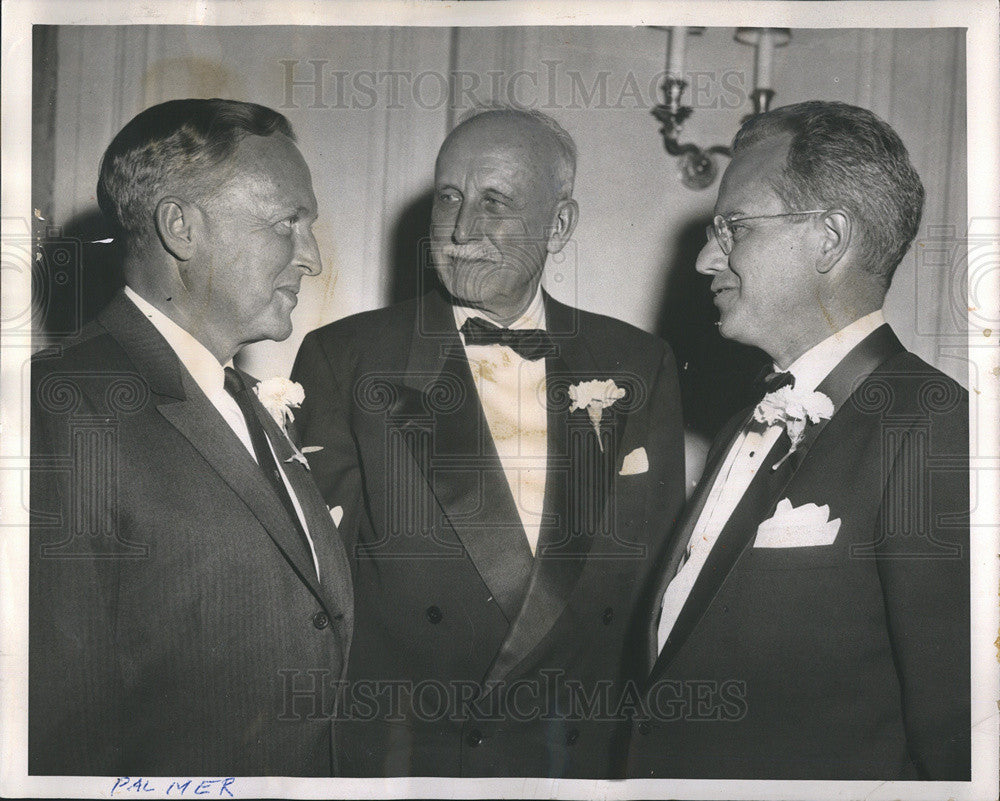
{"x": 337, "y": 513}
{"x": 634, "y": 463}
{"x": 797, "y": 527}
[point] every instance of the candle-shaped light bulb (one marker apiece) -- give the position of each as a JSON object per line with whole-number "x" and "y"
{"x": 678, "y": 41}
{"x": 765, "y": 59}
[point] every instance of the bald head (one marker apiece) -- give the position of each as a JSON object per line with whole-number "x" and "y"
{"x": 502, "y": 203}
{"x": 552, "y": 146}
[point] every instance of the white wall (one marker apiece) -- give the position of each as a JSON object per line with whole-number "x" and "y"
{"x": 372, "y": 155}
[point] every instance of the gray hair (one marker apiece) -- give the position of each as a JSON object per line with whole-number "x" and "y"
{"x": 843, "y": 156}
{"x": 565, "y": 146}
{"x": 174, "y": 144}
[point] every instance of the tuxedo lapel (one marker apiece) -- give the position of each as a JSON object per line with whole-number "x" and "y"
{"x": 574, "y": 362}
{"x": 458, "y": 458}
{"x": 678, "y": 545}
{"x": 581, "y": 462}
{"x": 579, "y": 477}
{"x": 880, "y": 345}
{"x": 736, "y": 533}
{"x": 768, "y": 487}
{"x": 187, "y": 409}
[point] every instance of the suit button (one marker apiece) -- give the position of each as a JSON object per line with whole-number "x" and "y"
{"x": 608, "y": 616}
{"x": 474, "y": 738}
{"x": 320, "y": 620}
{"x": 572, "y": 736}
{"x": 434, "y": 615}
{"x": 644, "y": 727}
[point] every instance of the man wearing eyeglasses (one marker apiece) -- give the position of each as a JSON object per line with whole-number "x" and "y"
{"x": 811, "y": 618}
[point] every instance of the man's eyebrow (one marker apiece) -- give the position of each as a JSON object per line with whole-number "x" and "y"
{"x": 492, "y": 190}
{"x": 294, "y": 211}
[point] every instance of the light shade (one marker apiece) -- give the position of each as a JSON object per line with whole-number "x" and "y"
{"x": 751, "y": 36}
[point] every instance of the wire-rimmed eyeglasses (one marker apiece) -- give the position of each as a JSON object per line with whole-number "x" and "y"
{"x": 721, "y": 228}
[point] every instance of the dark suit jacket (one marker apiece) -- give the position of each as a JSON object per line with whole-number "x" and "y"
{"x": 841, "y": 661}
{"x": 174, "y": 604}
{"x": 467, "y": 647}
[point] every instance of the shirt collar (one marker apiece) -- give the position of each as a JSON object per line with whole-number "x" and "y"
{"x": 816, "y": 363}
{"x": 533, "y": 317}
{"x": 198, "y": 360}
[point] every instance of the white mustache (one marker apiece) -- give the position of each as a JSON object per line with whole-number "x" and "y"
{"x": 476, "y": 251}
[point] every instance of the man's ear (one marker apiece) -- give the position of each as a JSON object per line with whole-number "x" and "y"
{"x": 836, "y": 239}
{"x": 563, "y": 223}
{"x": 175, "y": 222}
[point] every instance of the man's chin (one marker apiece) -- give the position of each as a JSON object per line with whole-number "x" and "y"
{"x": 464, "y": 299}
{"x": 284, "y": 333}
{"x": 458, "y": 290}
{"x": 276, "y": 330}
{"x": 731, "y": 329}
{"x": 728, "y": 328}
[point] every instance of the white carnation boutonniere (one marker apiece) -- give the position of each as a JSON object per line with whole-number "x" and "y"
{"x": 279, "y": 396}
{"x": 794, "y": 410}
{"x": 595, "y": 397}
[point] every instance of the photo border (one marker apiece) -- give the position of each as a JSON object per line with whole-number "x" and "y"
{"x": 983, "y": 68}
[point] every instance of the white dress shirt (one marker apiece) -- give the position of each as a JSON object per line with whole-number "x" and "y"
{"x": 748, "y": 451}
{"x": 210, "y": 377}
{"x": 512, "y": 393}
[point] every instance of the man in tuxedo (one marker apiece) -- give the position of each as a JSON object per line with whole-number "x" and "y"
{"x": 811, "y": 619}
{"x": 186, "y": 577}
{"x": 507, "y": 467}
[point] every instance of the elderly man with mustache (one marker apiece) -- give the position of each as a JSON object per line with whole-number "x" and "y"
{"x": 508, "y": 468}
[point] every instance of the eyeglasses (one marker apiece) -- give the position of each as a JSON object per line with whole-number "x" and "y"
{"x": 722, "y": 230}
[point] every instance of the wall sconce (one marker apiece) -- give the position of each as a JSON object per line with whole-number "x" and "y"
{"x": 764, "y": 40}
{"x": 698, "y": 167}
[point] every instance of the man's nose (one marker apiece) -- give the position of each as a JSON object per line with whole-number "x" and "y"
{"x": 466, "y": 222}
{"x": 711, "y": 259}
{"x": 307, "y": 254}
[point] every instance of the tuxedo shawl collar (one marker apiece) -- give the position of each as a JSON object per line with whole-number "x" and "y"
{"x": 759, "y": 500}
{"x": 531, "y": 591}
{"x": 579, "y": 479}
{"x": 438, "y": 413}
{"x": 182, "y": 403}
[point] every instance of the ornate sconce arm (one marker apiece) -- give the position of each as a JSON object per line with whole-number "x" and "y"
{"x": 698, "y": 168}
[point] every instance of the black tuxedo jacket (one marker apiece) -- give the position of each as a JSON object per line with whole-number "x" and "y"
{"x": 840, "y": 661}
{"x": 174, "y": 605}
{"x": 472, "y": 657}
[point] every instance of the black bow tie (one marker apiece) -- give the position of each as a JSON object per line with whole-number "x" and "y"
{"x": 767, "y": 381}
{"x": 770, "y": 381}
{"x": 529, "y": 343}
